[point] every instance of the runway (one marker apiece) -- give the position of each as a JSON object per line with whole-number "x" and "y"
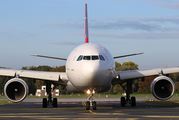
{"x": 76, "y": 110}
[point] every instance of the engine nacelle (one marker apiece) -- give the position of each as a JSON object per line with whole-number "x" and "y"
{"x": 16, "y": 90}
{"x": 162, "y": 88}
{"x": 71, "y": 88}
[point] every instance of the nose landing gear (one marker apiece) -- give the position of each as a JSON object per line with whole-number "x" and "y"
{"x": 90, "y": 102}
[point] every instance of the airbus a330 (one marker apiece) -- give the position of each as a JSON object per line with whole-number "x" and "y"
{"x": 90, "y": 68}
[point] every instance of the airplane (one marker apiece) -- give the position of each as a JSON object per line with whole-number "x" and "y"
{"x": 90, "y": 68}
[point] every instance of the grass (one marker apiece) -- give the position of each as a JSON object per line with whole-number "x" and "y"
{"x": 5, "y": 102}
{"x": 165, "y": 102}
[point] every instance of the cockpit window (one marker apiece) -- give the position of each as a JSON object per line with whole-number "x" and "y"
{"x": 101, "y": 57}
{"x": 80, "y": 58}
{"x": 86, "y": 57}
{"x": 95, "y": 57}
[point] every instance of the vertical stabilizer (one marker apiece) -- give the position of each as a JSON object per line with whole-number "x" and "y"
{"x": 86, "y": 24}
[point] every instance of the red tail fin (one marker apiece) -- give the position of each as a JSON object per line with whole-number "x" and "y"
{"x": 86, "y": 24}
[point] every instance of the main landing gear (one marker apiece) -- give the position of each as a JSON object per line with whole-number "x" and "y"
{"x": 128, "y": 99}
{"x": 47, "y": 102}
{"x": 131, "y": 101}
{"x": 90, "y": 102}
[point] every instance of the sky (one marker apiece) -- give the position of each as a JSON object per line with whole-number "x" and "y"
{"x": 56, "y": 27}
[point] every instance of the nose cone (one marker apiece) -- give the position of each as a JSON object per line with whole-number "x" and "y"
{"x": 90, "y": 72}
{"x": 95, "y": 76}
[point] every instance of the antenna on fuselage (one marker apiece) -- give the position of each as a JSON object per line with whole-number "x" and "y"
{"x": 86, "y": 24}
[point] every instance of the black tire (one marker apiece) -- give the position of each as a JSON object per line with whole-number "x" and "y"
{"x": 55, "y": 102}
{"x": 87, "y": 105}
{"x": 123, "y": 102}
{"x": 94, "y": 105}
{"x": 44, "y": 103}
{"x": 133, "y": 101}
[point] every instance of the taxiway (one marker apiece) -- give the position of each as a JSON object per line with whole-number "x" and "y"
{"x": 110, "y": 109}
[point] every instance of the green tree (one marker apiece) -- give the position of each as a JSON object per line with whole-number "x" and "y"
{"x": 3, "y": 80}
{"x": 117, "y": 89}
{"x": 144, "y": 86}
{"x": 176, "y": 87}
{"x": 125, "y": 66}
{"x": 174, "y": 77}
{"x": 58, "y": 69}
{"x": 36, "y": 84}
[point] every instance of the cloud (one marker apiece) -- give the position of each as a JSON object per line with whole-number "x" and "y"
{"x": 130, "y": 23}
{"x": 72, "y": 25}
{"x": 66, "y": 43}
{"x": 50, "y": 4}
{"x": 31, "y": 34}
{"x": 150, "y": 1}
{"x": 157, "y": 20}
{"x": 154, "y": 1}
{"x": 171, "y": 6}
{"x": 144, "y": 24}
{"x": 133, "y": 25}
{"x": 140, "y": 36}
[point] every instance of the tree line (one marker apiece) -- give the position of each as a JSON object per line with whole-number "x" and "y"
{"x": 139, "y": 85}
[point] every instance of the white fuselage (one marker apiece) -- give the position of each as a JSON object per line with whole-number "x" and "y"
{"x": 90, "y": 66}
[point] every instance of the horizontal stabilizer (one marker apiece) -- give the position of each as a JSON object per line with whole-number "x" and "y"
{"x": 49, "y": 57}
{"x": 127, "y": 55}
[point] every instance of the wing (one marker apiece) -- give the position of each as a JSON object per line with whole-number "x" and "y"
{"x": 17, "y": 84}
{"x": 51, "y": 76}
{"x": 133, "y": 74}
{"x": 127, "y": 55}
{"x": 49, "y": 57}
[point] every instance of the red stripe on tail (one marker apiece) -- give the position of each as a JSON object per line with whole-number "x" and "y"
{"x": 86, "y": 24}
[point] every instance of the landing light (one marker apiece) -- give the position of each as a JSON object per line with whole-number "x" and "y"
{"x": 117, "y": 77}
{"x": 88, "y": 91}
{"x": 93, "y": 92}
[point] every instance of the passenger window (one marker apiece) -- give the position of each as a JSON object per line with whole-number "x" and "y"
{"x": 80, "y": 58}
{"x": 86, "y": 57}
{"x": 95, "y": 57}
{"x": 101, "y": 57}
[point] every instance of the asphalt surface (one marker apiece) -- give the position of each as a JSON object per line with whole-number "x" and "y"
{"x": 73, "y": 108}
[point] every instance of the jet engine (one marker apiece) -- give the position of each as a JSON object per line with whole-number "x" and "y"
{"x": 16, "y": 90}
{"x": 162, "y": 88}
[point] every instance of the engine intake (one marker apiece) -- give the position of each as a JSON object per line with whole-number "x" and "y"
{"x": 162, "y": 88}
{"x": 16, "y": 90}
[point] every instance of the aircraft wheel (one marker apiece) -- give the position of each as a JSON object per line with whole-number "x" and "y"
{"x": 87, "y": 105}
{"x": 54, "y": 102}
{"x": 123, "y": 102}
{"x": 44, "y": 104}
{"x": 133, "y": 101}
{"x": 94, "y": 105}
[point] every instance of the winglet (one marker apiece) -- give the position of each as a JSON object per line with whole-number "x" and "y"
{"x": 86, "y": 24}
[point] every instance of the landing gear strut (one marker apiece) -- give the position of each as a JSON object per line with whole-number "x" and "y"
{"x": 49, "y": 102}
{"x": 91, "y": 101}
{"x": 128, "y": 99}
